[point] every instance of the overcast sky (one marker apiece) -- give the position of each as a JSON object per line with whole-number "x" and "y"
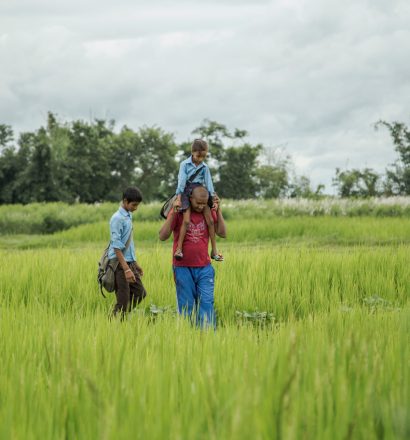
{"x": 310, "y": 76}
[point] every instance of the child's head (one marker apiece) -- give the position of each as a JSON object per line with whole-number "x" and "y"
{"x": 131, "y": 198}
{"x": 199, "y": 151}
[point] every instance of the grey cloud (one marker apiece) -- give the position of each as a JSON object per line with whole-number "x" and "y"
{"x": 311, "y": 75}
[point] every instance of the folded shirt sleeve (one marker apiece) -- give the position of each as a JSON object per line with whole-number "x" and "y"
{"x": 182, "y": 178}
{"x": 116, "y": 229}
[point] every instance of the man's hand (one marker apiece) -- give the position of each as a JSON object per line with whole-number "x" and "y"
{"x": 177, "y": 204}
{"x": 217, "y": 201}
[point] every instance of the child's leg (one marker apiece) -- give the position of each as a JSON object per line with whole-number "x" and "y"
{"x": 211, "y": 228}
{"x": 182, "y": 232}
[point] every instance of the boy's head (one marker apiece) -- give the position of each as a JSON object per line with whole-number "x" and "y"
{"x": 131, "y": 198}
{"x": 199, "y": 151}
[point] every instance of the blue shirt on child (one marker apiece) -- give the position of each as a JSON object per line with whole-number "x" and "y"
{"x": 120, "y": 230}
{"x": 187, "y": 169}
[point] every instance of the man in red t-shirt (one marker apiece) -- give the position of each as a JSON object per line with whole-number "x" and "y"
{"x": 194, "y": 274}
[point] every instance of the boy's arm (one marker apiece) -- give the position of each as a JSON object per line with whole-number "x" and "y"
{"x": 208, "y": 181}
{"x": 130, "y": 277}
{"x": 182, "y": 178}
{"x": 166, "y": 229}
{"x": 139, "y": 269}
{"x": 119, "y": 246}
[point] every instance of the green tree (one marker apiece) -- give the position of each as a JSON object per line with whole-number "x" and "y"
{"x": 59, "y": 140}
{"x": 6, "y": 136}
{"x": 272, "y": 181}
{"x": 370, "y": 182}
{"x": 398, "y": 175}
{"x": 272, "y": 175}
{"x": 155, "y": 165}
{"x": 35, "y": 181}
{"x": 219, "y": 139}
{"x": 301, "y": 187}
{"x": 238, "y": 172}
{"x": 87, "y": 168}
{"x": 8, "y": 164}
{"x": 123, "y": 153}
{"x": 356, "y": 183}
{"x": 216, "y": 135}
{"x": 90, "y": 162}
{"x": 18, "y": 160}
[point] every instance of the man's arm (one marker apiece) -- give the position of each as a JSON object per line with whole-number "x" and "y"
{"x": 166, "y": 230}
{"x": 220, "y": 228}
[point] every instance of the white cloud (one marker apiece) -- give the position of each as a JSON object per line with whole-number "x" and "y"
{"x": 313, "y": 76}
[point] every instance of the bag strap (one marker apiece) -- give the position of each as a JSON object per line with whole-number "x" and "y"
{"x": 194, "y": 175}
{"x": 127, "y": 244}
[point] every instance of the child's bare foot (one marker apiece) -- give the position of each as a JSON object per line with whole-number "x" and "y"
{"x": 217, "y": 257}
{"x": 178, "y": 254}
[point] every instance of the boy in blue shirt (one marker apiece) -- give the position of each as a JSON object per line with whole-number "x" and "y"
{"x": 195, "y": 165}
{"x": 129, "y": 289}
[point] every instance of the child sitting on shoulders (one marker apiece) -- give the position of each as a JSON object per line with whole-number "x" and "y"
{"x": 195, "y": 165}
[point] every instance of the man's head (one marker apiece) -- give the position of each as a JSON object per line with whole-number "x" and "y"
{"x": 199, "y": 151}
{"x": 199, "y": 198}
{"x": 131, "y": 198}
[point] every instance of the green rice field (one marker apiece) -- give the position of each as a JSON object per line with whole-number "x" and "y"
{"x": 311, "y": 343}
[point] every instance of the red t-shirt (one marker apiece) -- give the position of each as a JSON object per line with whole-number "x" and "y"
{"x": 195, "y": 246}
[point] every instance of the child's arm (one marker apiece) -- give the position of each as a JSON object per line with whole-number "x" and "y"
{"x": 182, "y": 178}
{"x": 139, "y": 269}
{"x": 129, "y": 276}
{"x": 208, "y": 181}
{"x": 118, "y": 246}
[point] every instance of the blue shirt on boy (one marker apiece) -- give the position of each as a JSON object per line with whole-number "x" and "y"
{"x": 187, "y": 169}
{"x": 120, "y": 230}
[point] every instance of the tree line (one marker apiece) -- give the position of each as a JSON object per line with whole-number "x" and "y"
{"x": 92, "y": 162}
{"x": 366, "y": 182}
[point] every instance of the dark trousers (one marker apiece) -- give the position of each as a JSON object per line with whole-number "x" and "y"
{"x": 128, "y": 294}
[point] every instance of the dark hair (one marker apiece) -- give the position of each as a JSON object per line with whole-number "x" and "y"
{"x": 199, "y": 145}
{"x": 132, "y": 194}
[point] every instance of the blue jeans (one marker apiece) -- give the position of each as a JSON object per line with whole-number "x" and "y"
{"x": 195, "y": 293}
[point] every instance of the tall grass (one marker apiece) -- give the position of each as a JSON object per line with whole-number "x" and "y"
{"x": 338, "y": 376}
{"x": 332, "y": 363}
{"x": 286, "y": 281}
{"x": 278, "y": 230}
{"x": 46, "y": 218}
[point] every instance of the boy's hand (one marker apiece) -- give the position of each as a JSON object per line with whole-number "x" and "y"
{"x": 129, "y": 276}
{"x": 140, "y": 271}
